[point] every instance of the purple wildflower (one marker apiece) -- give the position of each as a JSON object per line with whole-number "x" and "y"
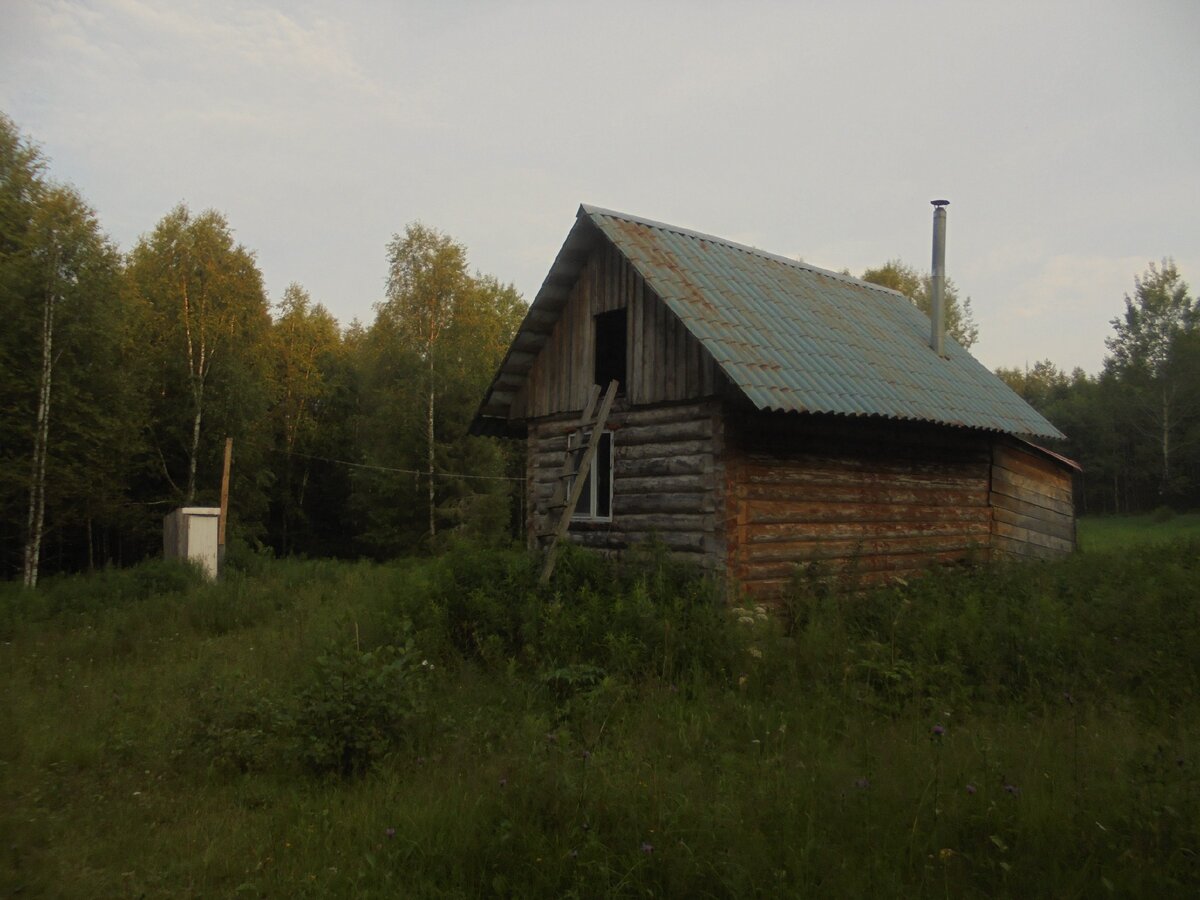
{"x": 1067, "y": 696}
{"x": 938, "y": 730}
{"x": 503, "y": 782}
{"x": 971, "y": 789}
{"x": 862, "y": 783}
{"x": 647, "y": 847}
{"x": 390, "y": 832}
{"x": 1012, "y": 789}
{"x": 587, "y": 754}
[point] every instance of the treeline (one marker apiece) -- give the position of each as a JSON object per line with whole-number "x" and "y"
{"x": 1135, "y": 427}
{"x": 122, "y": 375}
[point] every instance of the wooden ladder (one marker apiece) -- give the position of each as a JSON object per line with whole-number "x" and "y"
{"x": 576, "y": 465}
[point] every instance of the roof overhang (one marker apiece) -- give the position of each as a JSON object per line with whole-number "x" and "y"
{"x": 493, "y": 416}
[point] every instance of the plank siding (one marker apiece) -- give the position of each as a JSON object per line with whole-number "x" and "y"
{"x": 1033, "y": 514}
{"x": 866, "y": 501}
{"x": 666, "y": 466}
{"x": 665, "y": 363}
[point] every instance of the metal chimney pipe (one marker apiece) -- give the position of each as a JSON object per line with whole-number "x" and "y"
{"x": 937, "y": 311}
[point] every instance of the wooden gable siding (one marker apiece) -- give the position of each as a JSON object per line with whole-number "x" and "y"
{"x": 874, "y": 501}
{"x": 664, "y": 362}
{"x": 1033, "y": 513}
{"x": 668, "y": 480}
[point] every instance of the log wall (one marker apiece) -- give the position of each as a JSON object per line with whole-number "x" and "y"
{"x": 867, "y": 501}
{"x": 668, "y": 480}
{"x": 665, "y": 363}
{"x": 1033, "y": 512}
{"x": 761, "y": 493}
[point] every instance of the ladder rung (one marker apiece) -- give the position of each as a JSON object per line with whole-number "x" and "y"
{"x": 591, "y": 419}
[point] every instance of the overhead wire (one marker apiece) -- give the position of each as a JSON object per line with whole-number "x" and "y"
{"x": 417, "y": 472}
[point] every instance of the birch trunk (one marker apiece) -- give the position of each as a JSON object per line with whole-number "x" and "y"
{"x": 191, "y": 483}
{"x": 35, "y": 523}
{"x": 199, "y": 359}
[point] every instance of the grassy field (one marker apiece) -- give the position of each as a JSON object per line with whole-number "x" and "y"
{"x": 446, "y": 728}
{"x": 1115, "y": 533}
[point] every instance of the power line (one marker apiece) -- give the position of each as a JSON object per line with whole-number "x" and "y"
{"x": 417, "y": 472}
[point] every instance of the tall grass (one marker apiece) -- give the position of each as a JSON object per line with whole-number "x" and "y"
{"x": 448, "y": 728}
{"x": 1116, "y": 533}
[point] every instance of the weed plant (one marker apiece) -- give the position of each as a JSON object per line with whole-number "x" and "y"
{"x": 448, "y": 728}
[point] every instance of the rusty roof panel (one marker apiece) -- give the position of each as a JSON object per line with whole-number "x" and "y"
{"x": 790, "y": 336}
{"x": 794, "y": 337}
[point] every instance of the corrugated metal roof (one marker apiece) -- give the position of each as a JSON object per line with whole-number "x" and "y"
{"x": 790, "y": 336}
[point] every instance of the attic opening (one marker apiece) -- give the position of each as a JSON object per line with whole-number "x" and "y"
{"x": 610, "y": 349}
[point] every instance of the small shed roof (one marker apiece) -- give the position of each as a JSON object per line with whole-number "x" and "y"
{"x": 792, "y": 337}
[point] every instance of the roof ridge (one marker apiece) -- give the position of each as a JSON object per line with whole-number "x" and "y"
{"x": 592, "y": 210}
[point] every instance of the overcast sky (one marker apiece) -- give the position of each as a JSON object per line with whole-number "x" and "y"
{"x": 1065, "y": 135}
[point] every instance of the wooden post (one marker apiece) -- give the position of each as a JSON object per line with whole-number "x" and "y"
{"x": 224, "y": 506}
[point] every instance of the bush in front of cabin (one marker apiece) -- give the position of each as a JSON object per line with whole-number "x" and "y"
{"x": 358, "y": 706}
{"x": 644, "y": 614}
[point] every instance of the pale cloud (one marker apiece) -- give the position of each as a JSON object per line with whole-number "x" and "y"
{"x": 261, "y": 36}
{"x": 1080, "y": 283}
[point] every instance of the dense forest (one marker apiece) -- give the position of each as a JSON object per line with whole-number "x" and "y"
{"x": 122, "y": 374}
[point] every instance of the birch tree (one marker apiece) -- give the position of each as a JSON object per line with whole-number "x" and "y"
{"x": 207, "y": 314}
{"x": 51, "y": 256}
{"x": 61, "y": 308}
{"x": 1147, "y": 350}
{"x": 427, "y": 281}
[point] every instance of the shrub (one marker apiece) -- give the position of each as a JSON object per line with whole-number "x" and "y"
{"x": 358, "y": 706}
{"x": 1162, "y": 514}
{"x": 240, "y": 729}
{"x": 641, "y": 615}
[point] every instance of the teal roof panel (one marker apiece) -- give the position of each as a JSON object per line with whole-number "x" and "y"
{"x": 796, "y": 338}
{"x": 790, "y": 336}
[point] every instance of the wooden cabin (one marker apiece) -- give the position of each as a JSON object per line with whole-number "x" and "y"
{"x": 770, "y": 414}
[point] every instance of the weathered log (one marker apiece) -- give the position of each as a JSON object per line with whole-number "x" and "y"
{"x": 785, "y": 511}
{"x": 629, "y": 504}
{"x": 860, "y": 530}
{"x": 1030, "y": 490}
{"x": 1033, "y": 516}
{"x": 1028, "y": 536}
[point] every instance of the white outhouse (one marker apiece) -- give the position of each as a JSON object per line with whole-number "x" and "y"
{"x": 191, "y": 533}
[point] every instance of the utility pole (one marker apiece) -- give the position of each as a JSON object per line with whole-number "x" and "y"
{"x": 224, "y": 507}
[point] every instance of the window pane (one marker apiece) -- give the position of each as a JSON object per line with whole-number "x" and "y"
{"x": 583, "y": 509}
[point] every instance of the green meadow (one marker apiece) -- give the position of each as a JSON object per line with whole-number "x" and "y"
{"x": 447, "y": 728}
{"x": 1115, "y": 533}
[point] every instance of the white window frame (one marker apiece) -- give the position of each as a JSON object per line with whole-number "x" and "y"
{"x": 588, "y": 496}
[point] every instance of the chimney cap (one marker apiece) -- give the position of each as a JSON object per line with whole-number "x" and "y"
{"x": 939, "y": 202}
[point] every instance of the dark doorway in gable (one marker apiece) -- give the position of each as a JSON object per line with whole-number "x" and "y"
{"x": 610, "y": 348}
